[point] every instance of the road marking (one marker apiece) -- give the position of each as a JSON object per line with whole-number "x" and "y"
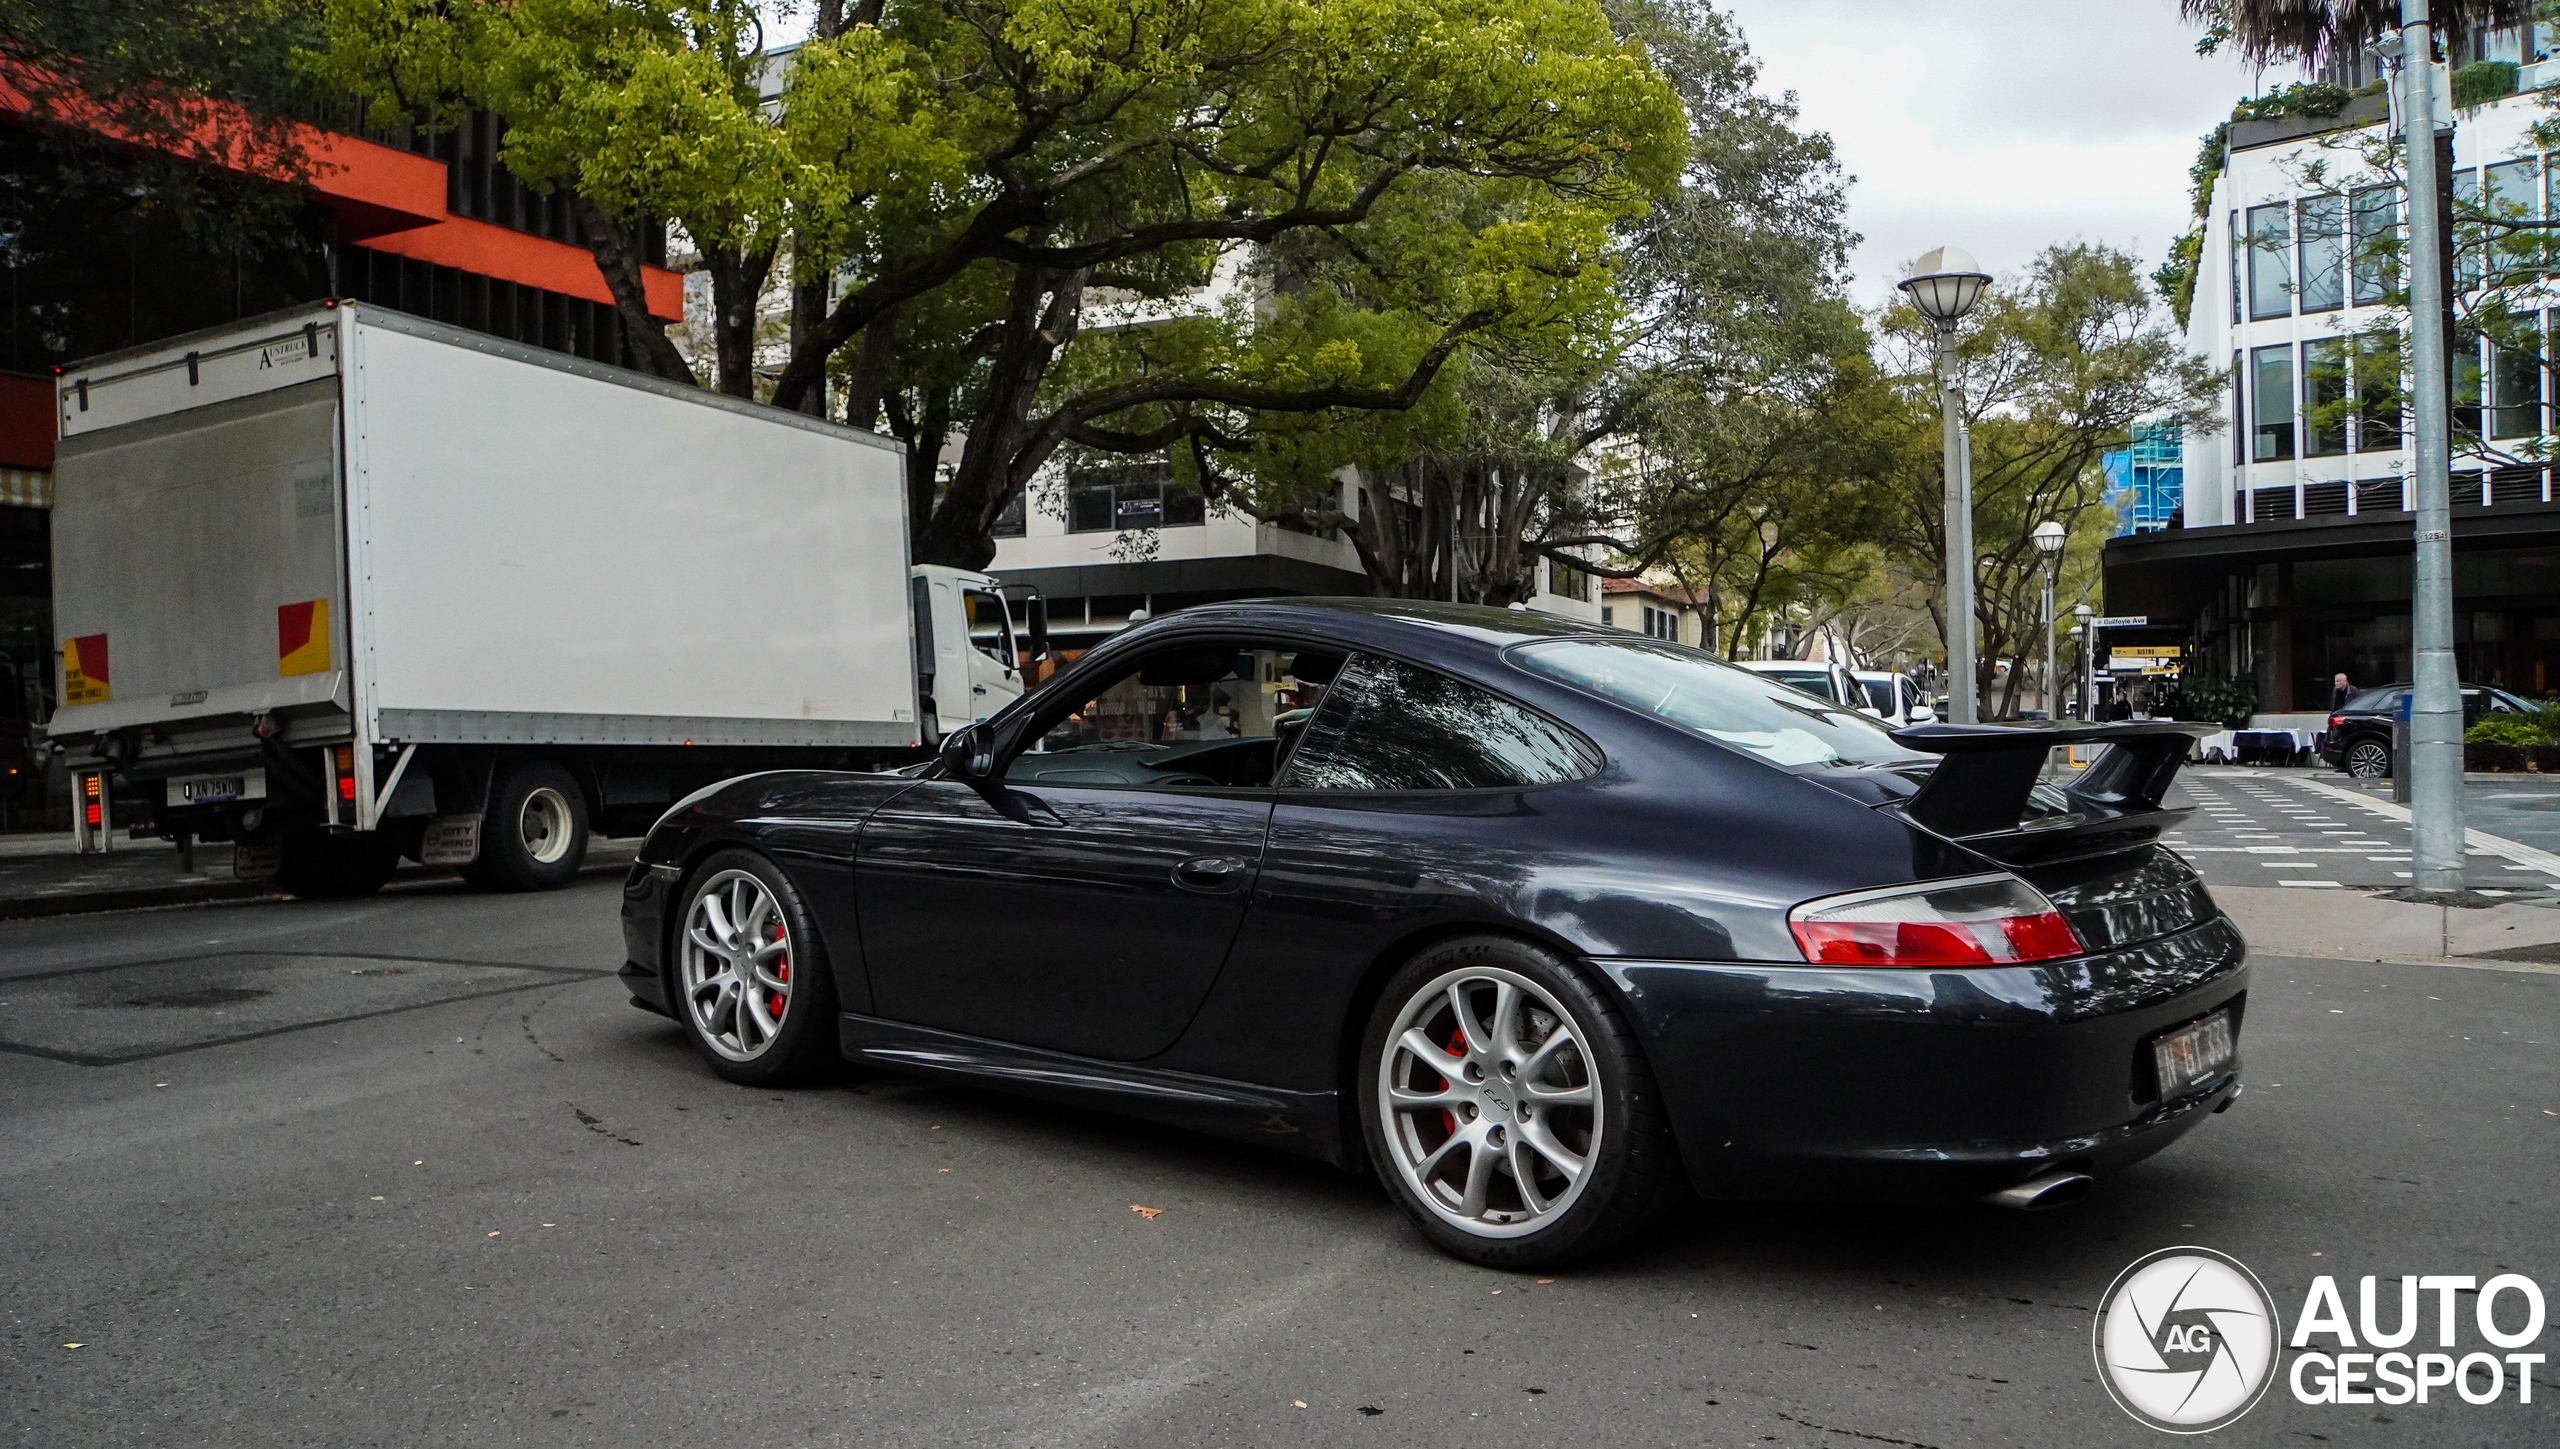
{"x": 2313, "y": 884}
{"x": 2480, "y": 842}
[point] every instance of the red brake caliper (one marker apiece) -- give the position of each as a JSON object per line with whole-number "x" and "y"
{"x": 1448, "y": 1119}
{"x": 782, "y": 969}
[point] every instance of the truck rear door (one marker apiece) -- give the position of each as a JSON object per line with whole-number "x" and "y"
{"x": 197, "y": 560}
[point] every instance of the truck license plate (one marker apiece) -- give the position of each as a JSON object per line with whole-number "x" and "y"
{"x": 2193, "y": 1054}
{"x": 250, "y": 784}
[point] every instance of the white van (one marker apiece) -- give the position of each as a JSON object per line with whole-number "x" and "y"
{"x": 1895, "y": 698}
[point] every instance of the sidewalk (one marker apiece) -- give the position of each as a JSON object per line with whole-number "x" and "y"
{"x": 2357, "y": 926}
{"x": 41, "y": 876}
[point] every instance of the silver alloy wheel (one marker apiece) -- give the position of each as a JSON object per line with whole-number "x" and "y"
{"x": 2368, "y": 759}
{"x": 546, "y": 824}
{"x": 1486, "y": 1093}
{"x": 735, "y": 965}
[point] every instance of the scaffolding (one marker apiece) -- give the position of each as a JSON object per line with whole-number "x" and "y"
{"x": 2146, "y": 483}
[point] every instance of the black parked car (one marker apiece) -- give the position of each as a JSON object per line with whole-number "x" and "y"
{"x": 2358, "y": 740}
{"x": 1535, "y": 920}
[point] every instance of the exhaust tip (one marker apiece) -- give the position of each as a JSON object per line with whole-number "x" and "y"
{"x": 2037, "y": 1194}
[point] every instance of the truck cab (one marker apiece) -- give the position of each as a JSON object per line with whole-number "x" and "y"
{"x": 970, "y": 660}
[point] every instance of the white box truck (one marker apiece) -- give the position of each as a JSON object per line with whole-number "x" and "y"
{"x": 340, "y": 585}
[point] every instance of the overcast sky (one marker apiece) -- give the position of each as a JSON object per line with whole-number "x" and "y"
{"x": 1999, "y": 125}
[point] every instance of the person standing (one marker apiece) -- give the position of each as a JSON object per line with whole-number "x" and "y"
{"x": 2339, "y": 692}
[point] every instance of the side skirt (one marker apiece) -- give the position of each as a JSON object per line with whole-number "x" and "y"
{"x": 1305, "y": 1123}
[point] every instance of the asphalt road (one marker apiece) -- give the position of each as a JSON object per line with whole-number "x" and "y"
{"x": 441, "y": 1185}
{"x": 2317, "y": 829}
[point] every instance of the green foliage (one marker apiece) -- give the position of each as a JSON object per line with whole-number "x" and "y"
{"x": 2211, "y": 153}
{"x": 2523, "y": 728}
{"x": 2481, "y": 82}
{"x": 2176, "y": 277}
{"x": 2302, "y": 98}
{"x": 2227, "y": 699}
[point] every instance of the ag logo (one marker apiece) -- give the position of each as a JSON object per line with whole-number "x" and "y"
{"x": 2186, "y": 1340}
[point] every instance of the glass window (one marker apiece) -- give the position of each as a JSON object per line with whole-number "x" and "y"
{"x": 2239, "y": 248}
{"x": 2270, "y": 252}
{"x": 1661, "y": 623}
{"x": 2271, "y": 397}
{"x": 2377, "y": 392}
{"x": 2512, "y": 185}
{"x": 1879, "y": 694}
{"x": 1217, "y": 713}
{"x": 990, "y": 625}
{"x": 1116, "y": 497}
{"x": 2462, "y": 361}
{"x": 1396, "y": 726}
{"x": 1009, "y": 523}
{"x": 1566, "y": 581}
{"x": 1704, "y": 695}
{"x": 2323, "y": 250}
{"x": 2376, "y": 218}
{"x": 2239, "y": 411}
{"x": 2467, "y": 234}
{"x": 2515, "y": 387}
{"x": 2324, "y": 397}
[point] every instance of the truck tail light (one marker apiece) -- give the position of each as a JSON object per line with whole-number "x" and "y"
{"x": 1987, "y": 920}
{"x": 92, "y": 807}
{"x": 346, "y": 772}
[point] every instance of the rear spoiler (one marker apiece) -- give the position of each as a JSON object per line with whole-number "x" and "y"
{"x": 1978, "y": 792}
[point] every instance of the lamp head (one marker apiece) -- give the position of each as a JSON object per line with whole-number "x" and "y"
{"x": 1944, "y": 284}
{"x": 2083, "y": 612}
{"x": 2049, "y": 538}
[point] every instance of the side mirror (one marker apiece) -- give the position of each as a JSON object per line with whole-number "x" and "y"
{"x": 1038, "y": 608}
{"x": 968, "y": 754}
{"x": 1922, "y": 714}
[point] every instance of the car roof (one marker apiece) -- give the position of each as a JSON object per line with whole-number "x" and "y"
{"x": 1772, "y": 666}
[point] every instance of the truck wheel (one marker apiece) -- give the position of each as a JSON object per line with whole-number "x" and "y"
{"x": 320, "y": 866}
{"x": 534, "y": 837}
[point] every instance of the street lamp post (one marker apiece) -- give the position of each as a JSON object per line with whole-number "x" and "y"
{"x": 2049, "y": 538}
{"x": 2435, "y": 714}
{"x": 1944, "y": 285}
{"x": 2087, "y": 629}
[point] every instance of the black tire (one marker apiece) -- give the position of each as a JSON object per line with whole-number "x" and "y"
{"x": 729, "y": 1029}
{"x": 1630, "y": 1175}
{"x": 2367, "y": 759}
{"x": 534, "y": 836}
{"x": 320, "y": 865}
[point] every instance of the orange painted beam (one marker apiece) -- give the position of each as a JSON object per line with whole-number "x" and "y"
{"x": 384, "y": 198}
{"x": 478, "y": 246}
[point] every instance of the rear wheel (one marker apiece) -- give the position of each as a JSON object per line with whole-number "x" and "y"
{"x": 752, "y": 985}
{"x": 534, "y": 837}
{"x": 1508, "y": 1108}
{"x": 2368, "y": 759}
{"x": 324, "y": 865}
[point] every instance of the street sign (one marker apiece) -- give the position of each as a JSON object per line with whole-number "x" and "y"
{"x": 2147, "y": 651}
{"x": 2119, "y": 621}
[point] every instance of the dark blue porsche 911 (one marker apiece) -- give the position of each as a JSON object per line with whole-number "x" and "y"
{"x": 1537, "y": 921}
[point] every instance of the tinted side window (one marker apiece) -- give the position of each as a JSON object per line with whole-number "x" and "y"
{"x": 1387, "y": 725}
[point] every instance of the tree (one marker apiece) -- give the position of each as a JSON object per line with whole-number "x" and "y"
{"x": 1078, "y": 153}
{"x": 2058, "y": 364}
{"x": 1727, "y": 298}
{"x": 2264, "y": 32}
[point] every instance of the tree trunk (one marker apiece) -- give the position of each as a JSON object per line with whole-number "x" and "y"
{"x": 995, "y": 463}
{"x": 619, "y": 261}
{"x": 808, "y": 309}
{"x": 737, "y": 283}
{"x": 870, "y": 377}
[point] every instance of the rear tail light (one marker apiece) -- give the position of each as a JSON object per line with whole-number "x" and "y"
{"x": 346, "y": 772}
{"x": 1987, "y": 920}
{"x": 2337, "y": 721}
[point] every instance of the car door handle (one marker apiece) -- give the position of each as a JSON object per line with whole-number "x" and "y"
{"x": 1208, "y": 872}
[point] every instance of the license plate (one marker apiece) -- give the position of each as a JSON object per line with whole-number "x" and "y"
{"x": 249, "y": 784}
{"x": 2192, "y": 1054}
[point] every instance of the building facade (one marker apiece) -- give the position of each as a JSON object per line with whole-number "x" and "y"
{"x": 2289, "y": 561}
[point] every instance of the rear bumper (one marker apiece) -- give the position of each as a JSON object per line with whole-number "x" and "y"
{"x": 1795, "y": 1081}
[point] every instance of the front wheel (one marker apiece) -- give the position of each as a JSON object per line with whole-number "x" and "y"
{"x": 1508, "y": 1108}
{"x": 2369, "y": 759}
{"x": 752, "y": 985}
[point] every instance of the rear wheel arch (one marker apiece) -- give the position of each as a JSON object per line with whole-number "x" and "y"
{"x": 1392, "y": 958}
